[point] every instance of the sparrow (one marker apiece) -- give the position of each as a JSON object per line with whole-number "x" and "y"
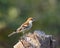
{"x": 24, "y": 27}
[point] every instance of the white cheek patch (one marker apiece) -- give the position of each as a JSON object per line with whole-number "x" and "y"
{"x": 30, "y": 21}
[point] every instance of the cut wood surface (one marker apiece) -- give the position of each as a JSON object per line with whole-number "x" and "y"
{"x": 37, "y": 39}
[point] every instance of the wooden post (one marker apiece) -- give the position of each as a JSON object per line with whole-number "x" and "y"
{"x": 38, "y": 39}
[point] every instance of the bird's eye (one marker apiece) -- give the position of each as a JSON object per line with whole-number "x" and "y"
{"x": 31, "y": 19}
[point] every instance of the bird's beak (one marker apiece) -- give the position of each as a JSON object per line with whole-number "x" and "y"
{"x": 33, "y": 19}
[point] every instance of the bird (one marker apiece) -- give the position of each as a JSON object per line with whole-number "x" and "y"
{"x": 24, "y": 27}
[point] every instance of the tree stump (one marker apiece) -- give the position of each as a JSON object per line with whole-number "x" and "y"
{"x": 37, "y": 39}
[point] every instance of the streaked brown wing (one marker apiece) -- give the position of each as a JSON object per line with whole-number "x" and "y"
{"x": 25, "y": 26}
{"x": 22, "y": 27}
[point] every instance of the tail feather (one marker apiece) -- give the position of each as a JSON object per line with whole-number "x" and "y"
{"x": 12, "y": 34}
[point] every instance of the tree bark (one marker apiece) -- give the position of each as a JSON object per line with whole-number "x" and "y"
{"x": 37, "y": 39}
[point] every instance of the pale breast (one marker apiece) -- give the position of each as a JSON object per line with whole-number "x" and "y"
{"x": 30, "y": 25}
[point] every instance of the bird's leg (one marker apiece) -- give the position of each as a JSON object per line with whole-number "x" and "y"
{"x": 23, "y": 32}
{"x": 22, "y": 37}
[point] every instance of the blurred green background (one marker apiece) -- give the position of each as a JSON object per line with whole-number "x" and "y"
{"x": 14, "y": 12}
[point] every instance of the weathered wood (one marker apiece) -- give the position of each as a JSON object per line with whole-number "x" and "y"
{"x": 38, "y": 39}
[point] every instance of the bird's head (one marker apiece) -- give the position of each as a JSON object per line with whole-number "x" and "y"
{"x": 30, "y": 19}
